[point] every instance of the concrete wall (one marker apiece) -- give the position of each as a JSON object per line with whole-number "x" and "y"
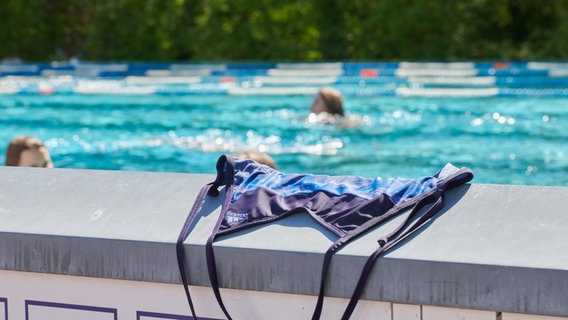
{"x": 102, "y": 243}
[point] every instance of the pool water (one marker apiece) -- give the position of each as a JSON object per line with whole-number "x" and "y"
{"x": 504, "y": 140}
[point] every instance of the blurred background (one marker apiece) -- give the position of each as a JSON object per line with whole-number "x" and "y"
{"x": 277, "y": 30}
{"x": 155, "y": 85}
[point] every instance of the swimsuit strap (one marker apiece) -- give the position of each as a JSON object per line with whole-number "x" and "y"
{"x": 394, "y": 237}
{"x": 225, "y": 175}
{"x": 225, "y": 165}
{"x": 209, "y": 189}
{"x": 326, "y": 260}
{"x": 437, "y": 200}
{"x": 182, "y": 236}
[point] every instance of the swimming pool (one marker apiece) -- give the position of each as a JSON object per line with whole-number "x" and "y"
{"x": 505, "y": 139}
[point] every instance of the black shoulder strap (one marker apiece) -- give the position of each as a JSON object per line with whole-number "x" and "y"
{"x": 228, "y": 167}
{"x": 388, "y": 242}
{"x": 434, "y": 197}
{"x": 209, "y": 189}
{"x": 343, "y": 240}
{"x": 404, "y": 230}
{"x": 326, "y": 260}
{"x": 179, "y": 244}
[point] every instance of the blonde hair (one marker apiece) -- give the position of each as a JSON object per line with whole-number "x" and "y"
{"x": 258, "y": 157}
{"x": 333, "y": 100}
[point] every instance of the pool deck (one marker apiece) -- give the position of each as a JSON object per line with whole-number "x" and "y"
{"x": 493, "y": 247}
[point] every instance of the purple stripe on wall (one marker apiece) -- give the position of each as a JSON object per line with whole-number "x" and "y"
{"x": 29, "y": 303}
{"x": 5, "y": 301}
{"x": 140, "y": 314}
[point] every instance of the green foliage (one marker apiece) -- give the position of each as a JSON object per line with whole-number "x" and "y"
{"x": 404, "y": 29}
{"x": 256, "y": 30}
{"x": 511, "y": 29}
{"x": 133, "y": 30}
{"x": 280, "y": 30}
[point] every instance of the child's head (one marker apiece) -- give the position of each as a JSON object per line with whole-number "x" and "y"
{"x": 258, "y": 157}
{"x": 27, "y": 151}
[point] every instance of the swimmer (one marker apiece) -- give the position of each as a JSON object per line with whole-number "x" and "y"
{"x": 327, "y": 108}
{"x": 27, "y": 151}
{"x": 258, "y": 157}
{"x": 328, "y": 100}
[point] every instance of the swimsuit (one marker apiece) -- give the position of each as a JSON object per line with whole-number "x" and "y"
{"x": 347, "y": 206}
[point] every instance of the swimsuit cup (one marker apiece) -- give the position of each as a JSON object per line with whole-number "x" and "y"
{"x": 348, "y": 206}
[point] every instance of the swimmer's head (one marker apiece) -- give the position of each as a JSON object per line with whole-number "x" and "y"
{"x": 258, "y": 157}
{"x": 328, "y": 100}
{"x": 27, "y": 151}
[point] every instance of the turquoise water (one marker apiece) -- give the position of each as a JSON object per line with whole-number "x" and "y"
{"x": 505, "y": 140}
